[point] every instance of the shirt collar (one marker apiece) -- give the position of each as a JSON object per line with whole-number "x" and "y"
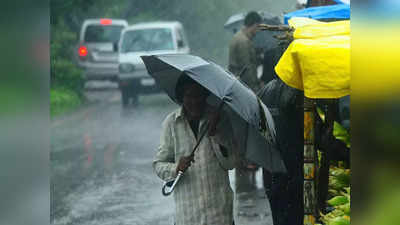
{"x": 179, "y": 113}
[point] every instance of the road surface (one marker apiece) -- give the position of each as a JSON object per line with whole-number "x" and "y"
{"x": 100, "y": 164}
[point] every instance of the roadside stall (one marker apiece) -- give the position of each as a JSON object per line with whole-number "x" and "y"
{"x": 317, "y": 62}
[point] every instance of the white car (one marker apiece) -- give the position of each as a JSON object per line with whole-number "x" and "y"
{"x": 97, "y": 53}
{"x": 150, "y": 38}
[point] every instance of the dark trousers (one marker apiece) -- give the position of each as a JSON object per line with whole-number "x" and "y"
{"x": 286, "y": 199}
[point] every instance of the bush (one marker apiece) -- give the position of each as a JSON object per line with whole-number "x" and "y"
{"x": 67, "y": 75}
{"x": 62, "y": 100}
{"x": 64, "y": 72}
{"x": 67, "y": 80}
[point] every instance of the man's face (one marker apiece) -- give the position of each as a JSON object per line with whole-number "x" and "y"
{"x": 194, "y": 101}
{"x": 253, "y": 30}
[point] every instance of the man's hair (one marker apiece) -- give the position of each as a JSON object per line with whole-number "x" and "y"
{"x": 252, "y": 18}
{"x": 184, "y": 81}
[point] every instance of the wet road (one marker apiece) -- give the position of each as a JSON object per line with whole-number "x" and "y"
{"x": 101, "y": 165}
{"x": 101, "y": 162}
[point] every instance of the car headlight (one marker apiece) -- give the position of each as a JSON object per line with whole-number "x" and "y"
{"x": 126, "y": 68}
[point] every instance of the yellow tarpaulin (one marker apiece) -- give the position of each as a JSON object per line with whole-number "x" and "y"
{"x": 308, "y": 28}
{"x": 318, "y": 60}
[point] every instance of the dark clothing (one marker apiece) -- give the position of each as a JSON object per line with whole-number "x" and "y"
{"x": 285, "y": 191}
{"x": 286, "y": 200}
{"x": 286, "y": 106}
{"x": 271, "y": 58}
{"x": 194, "y": 124}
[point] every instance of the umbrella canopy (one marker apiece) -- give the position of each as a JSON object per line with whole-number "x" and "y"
{"x": 242, "y": 106}
{"x": 262, "y": 39}
{"x": 331, "y": 12}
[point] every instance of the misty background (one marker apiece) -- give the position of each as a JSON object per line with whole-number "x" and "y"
{"x": 100, "y": 159}
{"x": 202, "y": 20}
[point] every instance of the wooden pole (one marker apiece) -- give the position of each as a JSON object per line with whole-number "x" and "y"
{"x": 310, "y": 163}
{"x": 275, "y": 27}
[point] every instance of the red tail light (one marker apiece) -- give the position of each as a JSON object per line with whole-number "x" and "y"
{"x": 105, "y": 21}
{"x": 83, "y": 51}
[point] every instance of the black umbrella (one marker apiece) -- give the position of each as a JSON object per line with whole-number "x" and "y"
{"x": 246, "y": 112}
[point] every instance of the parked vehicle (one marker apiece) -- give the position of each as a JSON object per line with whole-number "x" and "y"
{"x": 97, "y": 52}
{"x": 150, "y": 38}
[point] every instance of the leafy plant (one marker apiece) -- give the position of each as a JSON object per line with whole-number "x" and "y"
{"x": 62, "y": 100}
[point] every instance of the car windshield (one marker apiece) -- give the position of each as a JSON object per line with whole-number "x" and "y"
{"x": 147, "y": 40}
{"x": 102, "y": 33}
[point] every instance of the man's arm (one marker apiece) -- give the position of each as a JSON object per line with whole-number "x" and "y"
{"x": 164, "y": 164}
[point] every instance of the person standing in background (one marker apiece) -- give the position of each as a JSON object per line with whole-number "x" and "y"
{"x": 242, "y": 53}
{"x": 285, "y": 191}
{"x": 243, "y": 64}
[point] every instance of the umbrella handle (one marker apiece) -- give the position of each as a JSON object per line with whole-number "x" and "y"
{"x": 169, "y": 186}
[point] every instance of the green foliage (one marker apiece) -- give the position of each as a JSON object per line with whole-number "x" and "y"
{"x": 62, "y": 100}
{"x": 66, "y": 78}
{"x": 62, "y": 41}
{"x": 59, "y": 9}
{"x": 67, "y": 75}
{"x": 339, "y": 178}
{"x": 341, "y": 133}
{"x": 339, "y": 189}
{"x": 63, "y": 71}
{"x": 337, "y": 200}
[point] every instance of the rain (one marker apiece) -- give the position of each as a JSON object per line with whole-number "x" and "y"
{"x": 102, "y": 150}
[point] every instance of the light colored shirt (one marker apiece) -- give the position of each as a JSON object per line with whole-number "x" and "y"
{"x": 242, "y": 53}
{"x": 203, "y": 195}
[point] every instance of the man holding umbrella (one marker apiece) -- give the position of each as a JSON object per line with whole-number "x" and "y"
{"x": 219, "y": 119}
{"x": 203, "y": 195}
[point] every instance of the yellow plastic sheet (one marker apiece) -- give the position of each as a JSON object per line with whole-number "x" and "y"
{"x": 297, "y": 22}
{"x": 318, "y": 60}
{"x": 317, "y": 30}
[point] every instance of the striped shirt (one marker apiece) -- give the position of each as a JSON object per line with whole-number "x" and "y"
{"x": 203, "y": 195}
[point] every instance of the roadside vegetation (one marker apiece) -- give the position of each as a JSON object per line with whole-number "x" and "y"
{"x": 62, "y": 100}
{"x": 66, "y": 78}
